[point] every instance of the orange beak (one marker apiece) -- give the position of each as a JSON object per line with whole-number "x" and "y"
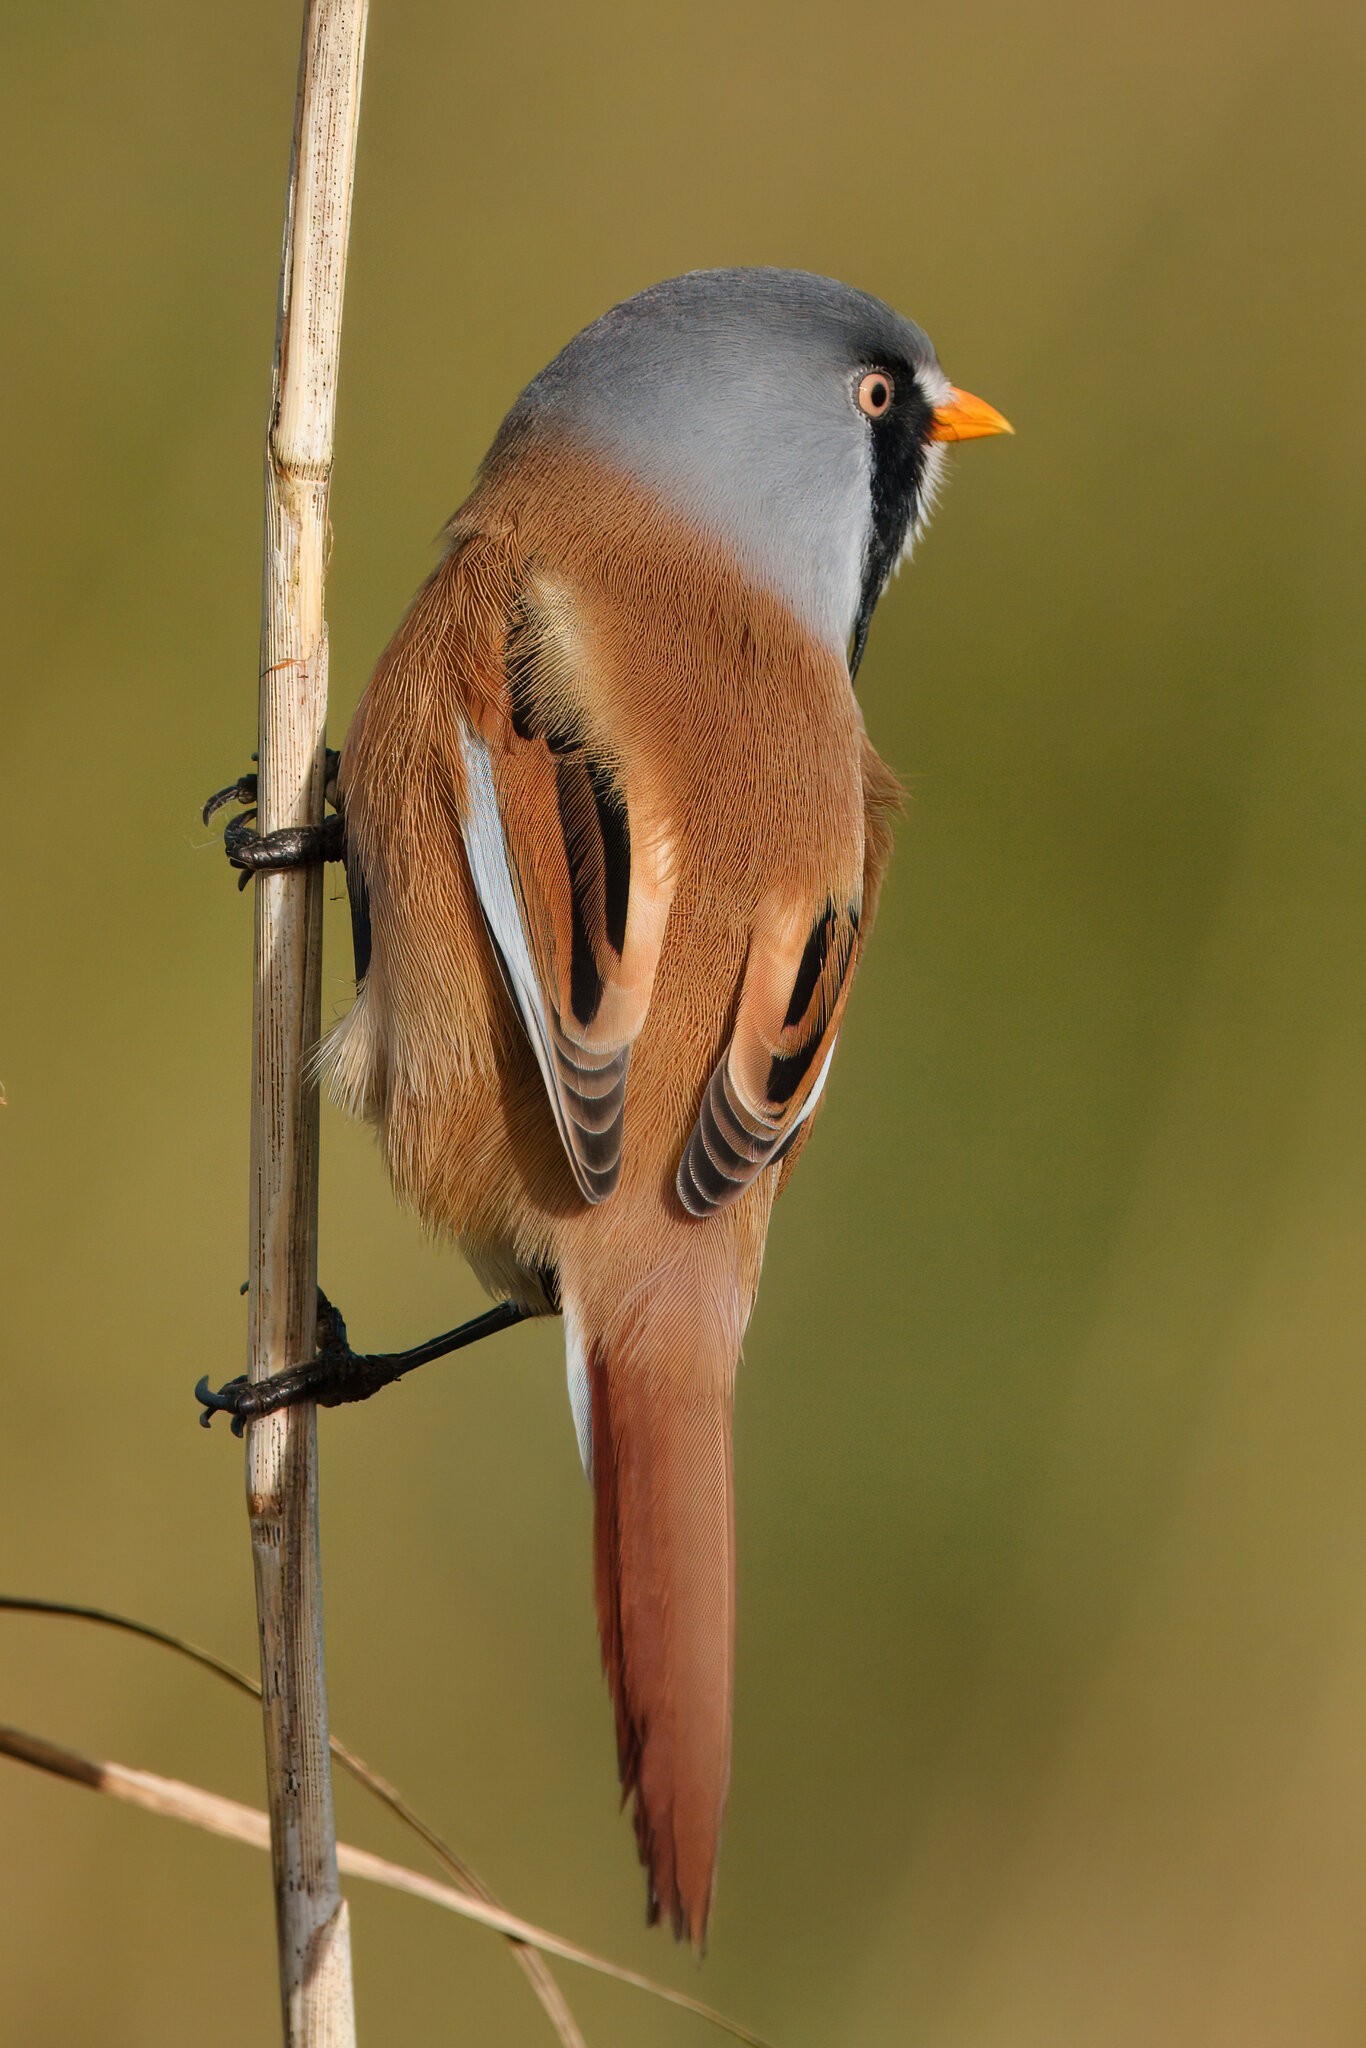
{"x": 965, "y": 418}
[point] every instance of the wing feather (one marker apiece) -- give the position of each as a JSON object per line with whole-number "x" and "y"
{"x": 565, "y": 861}
{"x": 769, "y": 1079}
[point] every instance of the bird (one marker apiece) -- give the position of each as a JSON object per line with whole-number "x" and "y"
{"x": 615, "y": 836}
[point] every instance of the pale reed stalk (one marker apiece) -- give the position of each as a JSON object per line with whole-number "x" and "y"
{"x": 281, "y": 1453}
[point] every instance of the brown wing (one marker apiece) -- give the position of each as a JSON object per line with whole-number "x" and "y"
{"x": 570, "y": 874}
{"x": 767, "y": 1081}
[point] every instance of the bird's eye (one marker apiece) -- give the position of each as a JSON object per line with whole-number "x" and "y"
{"x": 874, "y": 393}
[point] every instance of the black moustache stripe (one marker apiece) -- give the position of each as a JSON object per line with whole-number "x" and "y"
{"x": 899, "y": 443}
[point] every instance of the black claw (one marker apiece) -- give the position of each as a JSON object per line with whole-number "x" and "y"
{"x": 243, "y": 791}
{"x": 295, "y": 846}
{"x": 331, "y": 1327}
{"x": 336, "y": 1375}
{"x": 226, "y": 1400}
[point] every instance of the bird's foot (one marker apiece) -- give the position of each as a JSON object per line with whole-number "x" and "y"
{"x": 295, "y": 846}
{"x": 336, "y": 1374}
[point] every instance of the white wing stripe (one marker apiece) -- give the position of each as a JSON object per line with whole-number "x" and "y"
{"x": 814, "y": 1097}
{"x": 486, "y": 851}
{"x": 580, "y": 1392}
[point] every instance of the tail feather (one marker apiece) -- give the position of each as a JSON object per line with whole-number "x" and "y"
{"x": 660, "y": 1384}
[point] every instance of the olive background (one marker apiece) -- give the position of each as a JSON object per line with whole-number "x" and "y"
{"x": 1052, "y": 1417}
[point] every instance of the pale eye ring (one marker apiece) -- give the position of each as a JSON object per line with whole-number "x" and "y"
{"x": 874, "y": 394}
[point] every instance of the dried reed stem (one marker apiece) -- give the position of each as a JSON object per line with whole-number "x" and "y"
{"x": 173, "y": 1799}
{"x": 282, "y": 1476}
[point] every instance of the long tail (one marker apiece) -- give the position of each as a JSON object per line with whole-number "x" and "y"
{"x": 652, "y": 1383}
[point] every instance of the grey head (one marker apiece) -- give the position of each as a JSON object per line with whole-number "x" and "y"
{"x": 735, "y": 395}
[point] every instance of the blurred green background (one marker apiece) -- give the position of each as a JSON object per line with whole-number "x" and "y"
{"x": 1051, "y": 1724}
